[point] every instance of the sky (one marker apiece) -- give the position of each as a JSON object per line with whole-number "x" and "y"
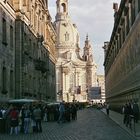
{"x": 92, "y": 17}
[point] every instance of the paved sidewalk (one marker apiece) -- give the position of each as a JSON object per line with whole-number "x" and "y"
{"x": 118, "y": 118}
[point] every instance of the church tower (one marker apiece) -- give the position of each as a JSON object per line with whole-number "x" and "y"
{"x": 91, "y": 66}
{"x": 87, "y": 56}
{"x": 62, "y": 9}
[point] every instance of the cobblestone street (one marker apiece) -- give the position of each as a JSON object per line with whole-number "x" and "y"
{"x": 92, "y": 124}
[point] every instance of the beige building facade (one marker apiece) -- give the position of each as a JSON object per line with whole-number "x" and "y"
{"x": 101, "y": 83}
{"x": 122, "y": 55}
{"x": 28, "y": 28}
{"x": 75, "y": 72}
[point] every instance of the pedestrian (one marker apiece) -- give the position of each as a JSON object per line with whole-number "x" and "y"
{"x": 61, "y": 113}
{"x": 14, "y": 116}
{"x": 67, "y": 112}
{"x": 8, "y": 119}
{"x": 74, "y": 111}
{"x": 37, "y": 114}
{"x": 107, "y": 108}
{"x": 33, "y": 123}
{"x": 129, "y": 113}
{"x": 136, "y": 112}
{"x": 45, "y": 114}
{"x": 26, "y": 116}
{"x": 21, "y": 117}
{"x": 125, "y": 113}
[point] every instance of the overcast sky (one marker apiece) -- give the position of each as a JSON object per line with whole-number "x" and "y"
{"x": 94, "y": 17}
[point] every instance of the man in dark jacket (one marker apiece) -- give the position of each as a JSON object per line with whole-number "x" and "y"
{"x": 136, "y": 112}
{"x": 37, "y": 114}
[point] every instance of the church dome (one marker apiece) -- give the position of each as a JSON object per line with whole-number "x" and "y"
{"x": 68, "y": 35}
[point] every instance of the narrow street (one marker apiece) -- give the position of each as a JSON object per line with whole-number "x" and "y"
{"x": 91, "y": 124}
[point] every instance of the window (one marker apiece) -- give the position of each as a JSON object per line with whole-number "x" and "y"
{"x": 11, "y": 36}
{"x": 66, "y": 36}
{"x": 63, "y": 7}
{"x": 4, "y": 32}
{"x": 4, "y": 80}
{"x": 11, "y": 82}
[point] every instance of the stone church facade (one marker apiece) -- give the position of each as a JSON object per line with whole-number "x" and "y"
{"x": 27, "y": 47}
{"x": 75, "y": 72}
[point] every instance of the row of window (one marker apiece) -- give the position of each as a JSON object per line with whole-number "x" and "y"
{"x": 6, "y": 34}
{"x": 7, "y": 77}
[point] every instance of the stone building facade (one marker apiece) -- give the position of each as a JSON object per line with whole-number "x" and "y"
{"x": 75, "y": 72}
{"x": 7, "y": 51}
{"x": 33, "y": 52}
{"x": 122, "y": 55}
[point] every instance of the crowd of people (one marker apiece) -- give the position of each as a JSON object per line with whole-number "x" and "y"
{"x": 28, "y": 118}
{"x": 131, "y": 112}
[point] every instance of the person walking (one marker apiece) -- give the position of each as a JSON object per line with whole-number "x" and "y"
{"x": 136, "y": 112}
{"x": 14, "y": 116}
{"x": 129, "y": 113}
{"x": 107, "y": 108}
{"x": 37, "y": 114}
{"x": 26, "y": 116}
{"x": 61, "y": 113}
{"x": 74, "y": 111}
{"x": 125, "y": 113}
{"x": 45, "y": 114}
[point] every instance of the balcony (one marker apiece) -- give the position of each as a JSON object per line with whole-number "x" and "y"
{"x": 40, "y": 65}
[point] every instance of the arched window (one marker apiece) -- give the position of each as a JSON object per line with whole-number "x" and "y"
{"x": 66, "y": 36}
{"x": 63, "y": 9}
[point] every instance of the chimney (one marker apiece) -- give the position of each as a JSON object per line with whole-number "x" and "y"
{"x": 115, "y": 7}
